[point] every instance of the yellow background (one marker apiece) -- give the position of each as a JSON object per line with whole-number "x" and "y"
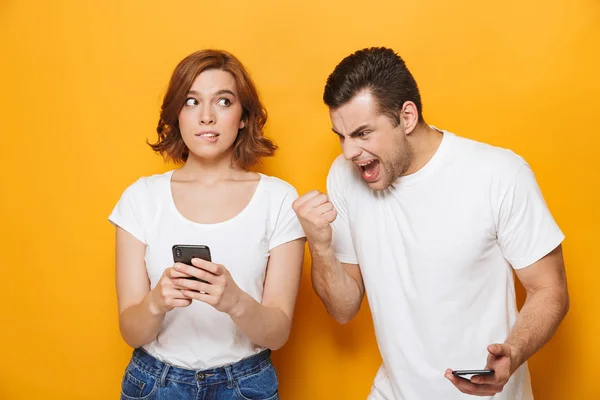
{"x": 81, "y": 87}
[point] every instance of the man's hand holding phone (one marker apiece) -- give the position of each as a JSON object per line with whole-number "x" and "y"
{"x": 500, "y": 360}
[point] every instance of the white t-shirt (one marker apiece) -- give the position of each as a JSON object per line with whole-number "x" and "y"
{"x": 435, "y": 251}
{"x": 199, "y": 336}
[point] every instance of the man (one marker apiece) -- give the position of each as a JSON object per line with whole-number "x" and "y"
{"x": 431, "y": 226}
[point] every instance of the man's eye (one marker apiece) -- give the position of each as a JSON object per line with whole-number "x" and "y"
{"x": 224, "y": 102}
{"x": 191, "y": 102}
{"x": 363, "y": 133}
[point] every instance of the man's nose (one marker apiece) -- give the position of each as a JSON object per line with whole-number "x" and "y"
{"x": 350, "y": 149}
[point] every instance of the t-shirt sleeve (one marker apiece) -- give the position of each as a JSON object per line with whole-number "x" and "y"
{"x": 342, "y": 237}
{"x": 526, "y": 230}
{"x": 128, "y": 212}
{"x": 287, "y": 226}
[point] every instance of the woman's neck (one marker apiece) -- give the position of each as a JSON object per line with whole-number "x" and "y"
{"x": 210, "y": 171}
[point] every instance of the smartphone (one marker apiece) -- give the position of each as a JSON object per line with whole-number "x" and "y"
{"x": 183, "y": 253}
{"x": 461, "y": 373}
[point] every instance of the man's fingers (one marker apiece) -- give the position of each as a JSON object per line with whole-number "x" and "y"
{"x": 330, "y": 216}
{"x": 468, "y": 387}
{"x": 309, "y": 202}
{"x": 499, "y": 377}
{"x": 303, "y": 199}
{"x": 484, "y": 379}
{"x": 499, "y": 350}
{"x": 323, "y": 208}
{"x": 313, "y": 206}
{"x": 315, "y": 201}
{"x": 461, "y": 384}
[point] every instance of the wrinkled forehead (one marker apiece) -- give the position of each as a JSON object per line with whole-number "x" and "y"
{"x": 360, "y": 110}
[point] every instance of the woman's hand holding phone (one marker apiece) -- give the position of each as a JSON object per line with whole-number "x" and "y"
{"x": 166, "y": 296}
{"x": 220, "y": 290}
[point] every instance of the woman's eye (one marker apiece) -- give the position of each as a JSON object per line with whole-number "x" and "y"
{"x": 224, "y": 102}
{"x": 191, "y": 102}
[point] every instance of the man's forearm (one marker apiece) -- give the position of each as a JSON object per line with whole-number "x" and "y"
{"x": 339, "y": 292}
{"x": 539, "y": 318}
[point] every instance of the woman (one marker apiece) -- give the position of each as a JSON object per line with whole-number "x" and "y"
{"x": 208, "y": 337}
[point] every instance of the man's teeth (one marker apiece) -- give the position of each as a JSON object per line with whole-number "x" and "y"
{"x": 363, "y": 167}
{"x": 365, "y": 164}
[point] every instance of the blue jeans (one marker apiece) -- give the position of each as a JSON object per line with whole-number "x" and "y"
{"x": 253, "y": 378}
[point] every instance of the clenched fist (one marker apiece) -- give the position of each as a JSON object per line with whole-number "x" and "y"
{"x": 315, "y": 212}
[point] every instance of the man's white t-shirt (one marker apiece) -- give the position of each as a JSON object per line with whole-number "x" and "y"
{"x": 198, "y": 336}
{"x": 435, "y": 251}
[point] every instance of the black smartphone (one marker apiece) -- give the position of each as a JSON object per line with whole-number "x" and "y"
{"x": 463, "y": 372}
{"x": 183, "y": 253}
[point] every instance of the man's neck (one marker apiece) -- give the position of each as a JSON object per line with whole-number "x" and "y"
{"x": 424, "y": 142}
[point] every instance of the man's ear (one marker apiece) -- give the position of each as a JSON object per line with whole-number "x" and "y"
{"x": 409, "y": 116}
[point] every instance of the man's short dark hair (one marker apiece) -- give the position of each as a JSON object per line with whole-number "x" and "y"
{"x": 380, "y": 71}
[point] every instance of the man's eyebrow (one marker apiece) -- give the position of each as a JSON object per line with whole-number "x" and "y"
{"x": 354, "y": 132}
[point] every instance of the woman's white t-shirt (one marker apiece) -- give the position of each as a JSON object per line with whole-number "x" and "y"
{"x": 199, "y": 336}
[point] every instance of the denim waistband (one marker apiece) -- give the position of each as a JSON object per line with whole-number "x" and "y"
{"x": 230, "y": 372}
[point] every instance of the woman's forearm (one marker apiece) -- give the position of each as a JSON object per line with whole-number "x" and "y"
{"x": 140, "y": 323}
{"x": 265, "y": 326}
